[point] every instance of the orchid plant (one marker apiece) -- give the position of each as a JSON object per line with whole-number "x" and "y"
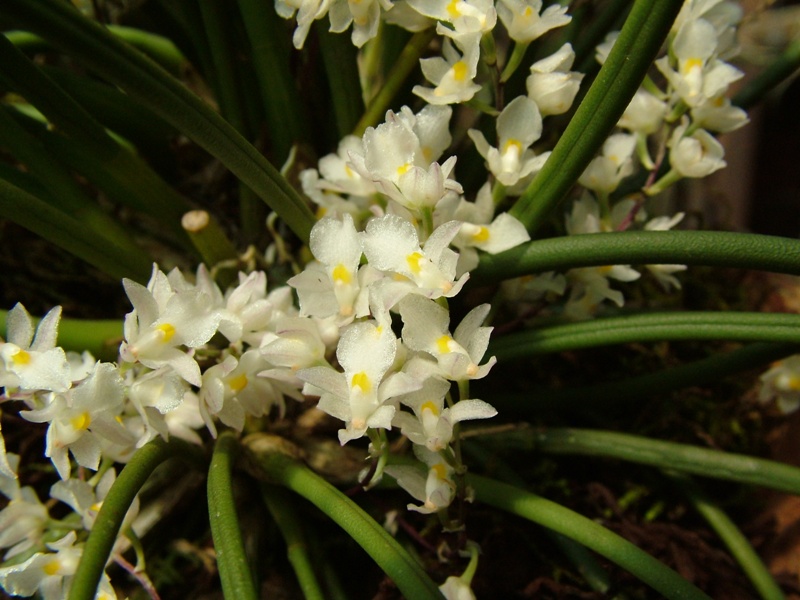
{"x": 474, "y": 167}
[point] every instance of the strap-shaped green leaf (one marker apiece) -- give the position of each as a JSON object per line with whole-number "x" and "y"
{"x": 707, "y": 248}
{"x": 65, "y": 28}
{"x": 649, "y": 327}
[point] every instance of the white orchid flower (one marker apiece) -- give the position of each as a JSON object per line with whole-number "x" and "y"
{"x": 426, "y": 329}
{"x": 551, "y": 84}
{"x": 518, "y": 126}
{"x": 31, "y": 362}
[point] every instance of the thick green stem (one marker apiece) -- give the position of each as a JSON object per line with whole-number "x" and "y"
{"x": 273, "y": 460}
{"x": 707, "y": 248}
{"x": 733, "y": 538}
{"x": 584, "y": 561}
{"x": 114, "y": 508}
{"x": 649, "y": 327}
{"x": 639, "y": 41}
{"x": 282, "y": 507}
{"x": 587, "y": 532}
{"x": 655, "y": 453}
{"x": 234, "y": 573}
{"x": 64, "y": 27}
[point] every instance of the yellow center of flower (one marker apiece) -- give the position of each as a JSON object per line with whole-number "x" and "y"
{"x": 527, "y": 12}
{"x": 341, "y": 274}
{"x": 440, "y": 470}
{"x": 691, "y": 63}
{"x": 512, "y": 143}
{"x": 81, "y": 421}
{"x": 52, "y": 567}
{"x": 414, "y": 261}
{"x": 452, "y": 9}
{"x": 96, "y": 506}
{"x": 361, "y": 381}
{"x": 403, "y": 169}
{"x": 443, "y": 344}
{"x": 460, "y": 71}
{"x": 21, "y": 357}
{"x": 430, "y": 406}
{"x": 167, "y": 330}
{"x": 481, "y": 235}
{"x": 238, "y": 383}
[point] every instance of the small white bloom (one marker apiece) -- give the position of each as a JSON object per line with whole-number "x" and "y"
{"x": 333, "y": 288}
{"x": 360, "y": 396}
{"x": 782, "y": 382}
{"x": 645, "y": 113}
{"x": 48, "y": 573}
{"x": 391, "y": 244}
{"x": 605, "y": 172}
{"x": 525, "y": 22}
{"x": 695, "y": 155}
{"x": 700, "y": 77}
{"x": 163, "y": 319}
{"x": 452, "y": 75}
{"x": 24, "y": 520}
{"x": 31, "y": 363}
{"x": 435, "y": 489}
{"x": 551, "y": 84}
{"x": 307, "y": 12}
{"x": 363, "y": 14}
{"x": 719, "y": 115}
{"x": 77, "y": 416}
{"x": 431, "y": 425}
{"x": 233, "y": 389}
{"x": 426, "y": 329}
{"x": 518, "y": 126}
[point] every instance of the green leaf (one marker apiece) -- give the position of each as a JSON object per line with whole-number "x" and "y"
{"x": 67, "y": 29}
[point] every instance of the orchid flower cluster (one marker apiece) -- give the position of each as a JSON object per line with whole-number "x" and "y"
{"x": 371, "y": 334}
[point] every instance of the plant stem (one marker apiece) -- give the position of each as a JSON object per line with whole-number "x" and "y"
{"x": 641, "y": 37}
{"x": 655, "y": 453}
{"x": 237, "y": 581}
{"x": 732, "y": 537}
{"x": 273, "y": 460}
{"x": 281, "y": 505}
{"x": 707, "y": 248}
{"x": 114, "y": 508}
{"x": 649, "y": 327}
{"x": 587, "y": 532}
